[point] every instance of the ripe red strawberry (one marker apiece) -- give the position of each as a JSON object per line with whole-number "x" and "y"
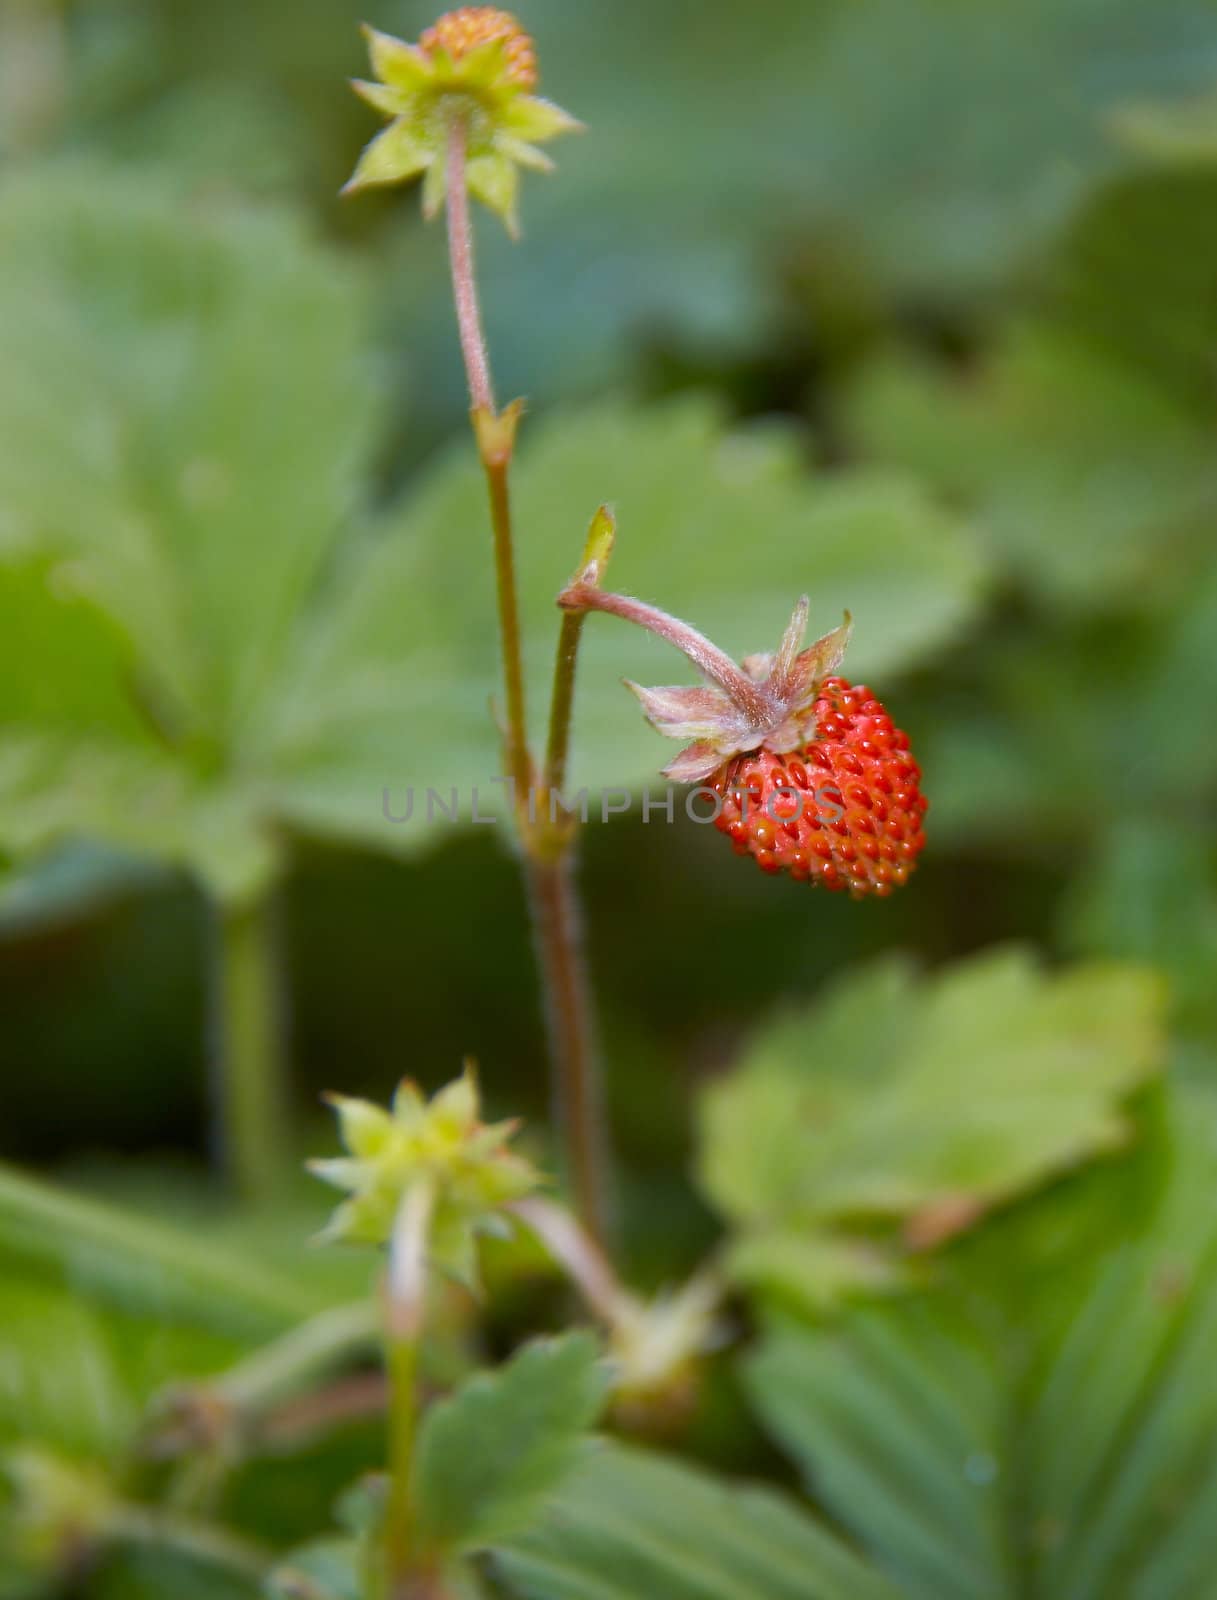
{"x": 844, "y": 810}
{"x": 813, "y": 777}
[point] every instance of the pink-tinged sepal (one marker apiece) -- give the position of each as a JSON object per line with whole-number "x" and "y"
{"x": 819, "y": 661}
{"x": 695, "y": 763}
{"x": 683, "y": 712}
{"x": 763, "y": 703}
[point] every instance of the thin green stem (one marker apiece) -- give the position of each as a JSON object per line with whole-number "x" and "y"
{"x": 557, "y": 748}
{"x": 251, "y": 1073}
{"x": 596, "y": 552}
{"x": 406, "y": 1291}
{"x": 496, "y": 439}
{"x": 519, "y": 763}
{"x": 551, "y": 889}
{"x": 295, "y": 1362}
{"x": 578, "y": 1086}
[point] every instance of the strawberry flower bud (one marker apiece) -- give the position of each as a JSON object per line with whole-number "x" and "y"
{"x": 475, "y": 67}
{"x": 442, "y": 1143}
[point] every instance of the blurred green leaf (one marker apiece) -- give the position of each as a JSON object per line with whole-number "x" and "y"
{"x": 135, "y": 1260}
{"x": 326, "y": 1569}
{"x": 489, "y": 1457}
{"x": 182, "y": 412}
{"x": 919, "y": 1104}
{"x": 1043, "y": 1425}
{"x": 632, "y": 1523}
{"x": 1054, "y": 737}
{"x": 145, "y": 1575}
{"x": 1175, "y": 132}
{"x": 77, "y": 1375}
{"x": 65, "y": 882}
{"x": 683, "y": 217}
{"x": 1135, "y": 274}
{"x": 1150, "y": 894}
{"x": 59, "y": 1383}
{"x": 1090, "y": 482}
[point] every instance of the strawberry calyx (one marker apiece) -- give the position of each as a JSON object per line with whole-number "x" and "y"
{"x": 765, "y": 702}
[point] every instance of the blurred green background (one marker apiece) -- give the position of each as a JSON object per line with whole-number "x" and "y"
{"x": 973, "y": 245}
{"x": 910, "y": 304}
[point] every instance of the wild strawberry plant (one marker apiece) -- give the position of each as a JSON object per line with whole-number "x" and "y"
{"x": 918, "y": 1179}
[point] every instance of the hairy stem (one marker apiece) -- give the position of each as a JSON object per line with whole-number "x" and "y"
{"x": 579, "y": 1256}
{"x": 297, "y": 1360}
{"x": 751, "y": 698}
{"x": 496, "y": 442}
{"x": 250, "y": 1069}
{"x": 551, "y": 890}
{"x": 579, "y": 1108}
{"x": 406, "y": 1304}
{"x": 464, "y": 279}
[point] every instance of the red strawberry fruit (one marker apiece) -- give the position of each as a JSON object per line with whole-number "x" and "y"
{"x": 844, "y": 810}
{"x": 810, "y": 774}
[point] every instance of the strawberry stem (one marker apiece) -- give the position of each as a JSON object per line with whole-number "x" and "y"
{"x": 464, "y": 280}
{"x": 751, "y": 698}
{"x": 579, "y": 1098}
{"x": 599, "y": 546}
{"x": 495, "y": 435}
{"x": 250, "y": 1069}
{"x": 552, "y": 892}
{"x": 406, "y": 1301}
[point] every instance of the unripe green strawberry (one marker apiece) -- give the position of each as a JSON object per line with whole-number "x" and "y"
{"x": 844, "y": 810}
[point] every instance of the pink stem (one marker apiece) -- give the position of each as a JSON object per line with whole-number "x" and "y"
{"x": 751, "y": 698}
{"x": 464, "y": 282}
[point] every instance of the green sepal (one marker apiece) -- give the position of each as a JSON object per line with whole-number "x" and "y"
{"x": 386, "y": 98}
{"x": 395, "y": 62}
{"x": 529, "y": 117}
{"x": 495, "y": 181}
{"x": 392, "y": 157}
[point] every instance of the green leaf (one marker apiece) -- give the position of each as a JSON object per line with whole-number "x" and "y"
{"x": 1173, "y": 132}
{"x": 669, "y": 226}
{"x": 135, "y": 1261}
{"x": 725, "y": 528}
{"x": 1089, "y": 480}
{"x": 1150, "y": 894}
{"x": 1135, "y": 272}
{"x": 182, "y": 413}
{"x": 915, "y": 1105}
{"x": 1130, "y": 756}
{"x": 77, "y": 1376}
{"x": 631, "y": 1523}
{"x": 489, "y": 1457}
{"x": 326, "y": 1569}
{"x": 194, "y": 389}
{"x": 58, "y": 886}
{"x": 1043, "y": 1425}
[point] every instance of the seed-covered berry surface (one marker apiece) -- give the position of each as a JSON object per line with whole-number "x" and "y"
{"x": 845, "y": 811}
